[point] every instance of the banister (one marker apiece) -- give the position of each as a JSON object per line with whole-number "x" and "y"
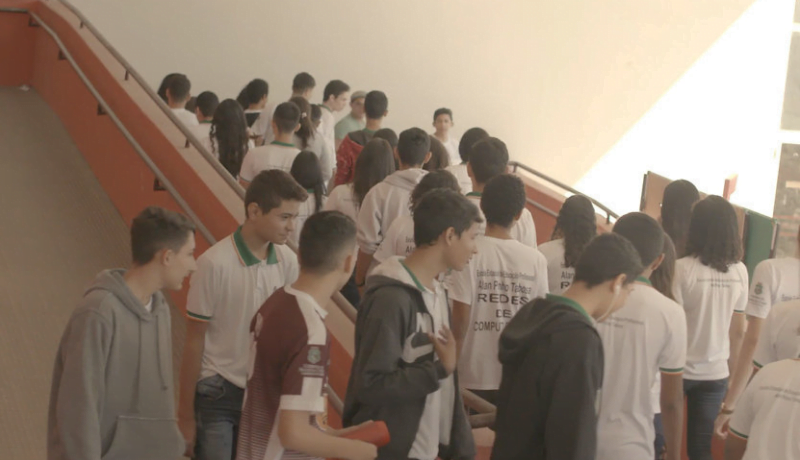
{"x": 130, "y": 71}
{"x": 517, "y": 165}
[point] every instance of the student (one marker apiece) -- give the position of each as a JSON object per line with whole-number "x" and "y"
{"x": 307, "y": 173}
{"x": 487, "y": 159}
{"x": 308, "y": 138}
{"x": 353, "y": 121}
{"x": 774, "y": 281}
{"x": 316, "y": 116}
{"x": 552, "y": 359}
{"x": 205, "y": 106}
{"x": 389, "y": 200}
{"x": 253, "y": 99}
{"x": 647, "y": 336}
{"x": 767, "y": 420}
{"x": 576, "y": 225}
{"x": 334, "y": 99}
{"x": 376, "y": 108}
{"x": 233, "y": 279}
{"x": 711, "y": 284}
{"x": 405, "y": 355}
{"x": 374, "y": 164}
{"x": 227, "y": 140}
{"x": 290, "y": 354}
{"x": 178, "y": 91}
{"x": 502, "y": 277}
{"x": 302, "y": 86}
{"x": 443, "y": 122}
{"x": 439, "y": 156}
{"x": 162, "y": 87}
{"x": 676, "y": 212}
{"x": 111, "y": 394}
{"x": 281, "y": 152}
{"x": 459, "y": 169}
{"x": 399, "y": 240}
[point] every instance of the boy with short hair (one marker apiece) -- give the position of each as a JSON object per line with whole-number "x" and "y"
{"x": 302, "y": 86}
{"x": 487, "y": 159}
{"x": 290, "y": 354}
{"x": 178, "y": 91}
{"x": 389, "y": 199}
{"x": 442, "y": 122}
{"x": 405, "y": 355}
{"x": 552, "y": 359}
{"x": 253, "y": 99}
{"x": 207, "y": 103}
{"x": 112, "y": 393}
{"x": 353, "y": 121}
{"x": 278, "y": 154}
{"x": 459, "y": 168}
{"x": 501, "y": 278}
{"x": 645, "y": 338}
{"x": 233, "y": 279}
{"x": 376, "y": 106}
{"x": 334, "y": 99}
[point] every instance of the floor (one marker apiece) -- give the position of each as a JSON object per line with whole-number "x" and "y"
{"x": 58, "y": 229}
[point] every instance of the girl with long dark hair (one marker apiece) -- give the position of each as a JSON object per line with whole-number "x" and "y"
{"x": 307, "y": 173}
{"x": 676, "y": 212}
{"x": 306, "y": 138}
{"x": 228, "y": 139}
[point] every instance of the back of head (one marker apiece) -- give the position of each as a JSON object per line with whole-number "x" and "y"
{"x": 271, "y": 188}
{"x": 503, "y": 200}
{"x": 488, "y": 158}
{"x": 468, "y": 139}
{"x": 327, "y": 238}
{"x": 413, "y": 146}
{"x": 388, "y": 135}
{"x": 229, "y": 135}
{"x": 316, "y": 114}
{"x": 676, "y": 210}
{"x": 255, "y": 91}
{"x": 440, "y": 159}
{"x": 308, "y": 173}
{"x": 440, "y": 209}
{"x": 577, "y": 225}
{"x": 443, "y": 111}
{"x": 303, "y": 82}
{"x": 155, "y": 229}
{"x": 645, "y": 234}
{"x": 306, "y": 131}
{"x": 440, "y": 179}
{"x": 663, "y": 276}
{"x": 376, "y": 104}
{"x": 162, "y": 88}
{"x": 606, "y": 257}
{"x": 714, "y": 234}
{"x": 374, "y": 163}
{"x": 334, "y": 88}
{"x": 178, "y": 88}
{"x": 286, "y": 117}
{"x": 207, "y": 102}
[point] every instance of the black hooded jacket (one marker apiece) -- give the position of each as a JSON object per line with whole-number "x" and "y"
{"x": 552, "y": 359}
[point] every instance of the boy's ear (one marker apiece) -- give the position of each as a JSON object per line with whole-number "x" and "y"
{"x": 385, "y": 113}
{"x": 469, "y": 169}
{"x": 297, "y": 128}
{"x": 657, "y": 263}
{"x": 427, "y": 158}
{"x": 519, "y": 214}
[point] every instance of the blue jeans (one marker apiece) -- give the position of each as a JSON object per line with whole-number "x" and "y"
{"x": 703, "y": 400}
{"x": 217, "y": 408}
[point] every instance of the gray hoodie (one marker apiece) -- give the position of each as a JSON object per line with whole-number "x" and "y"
{"x": 112, "y": 395}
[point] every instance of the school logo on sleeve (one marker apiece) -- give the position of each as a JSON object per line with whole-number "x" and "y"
{"x": 759, "y": 288}
{"x": 314, "y": 355}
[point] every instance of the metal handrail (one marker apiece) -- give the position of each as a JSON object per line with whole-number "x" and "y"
{"x": 131, "y": 72}
{"x": 528, "y": 169}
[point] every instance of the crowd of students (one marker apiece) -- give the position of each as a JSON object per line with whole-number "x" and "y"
{"x": 589, "y": 345}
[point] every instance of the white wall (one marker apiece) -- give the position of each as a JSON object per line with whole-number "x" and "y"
{"x": 560, "y": 81}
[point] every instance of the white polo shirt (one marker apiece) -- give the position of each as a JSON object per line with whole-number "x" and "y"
{"x": 768, "y": 413}
{"x": 228, "y": 288}
{"x": 645, "y": 337}
{"x": 774, "y": 281}
{"x": 709, "y": 298}
{"x": 524, "y": 230}
{"x": 451, "y": 145}
{"x": 327, "y": 127}
{"x": 306, "y": 210}
{"x": 276, "y": 155}
{"x": 263, "y": 124}
{"x": 342, "y": 199}
{"x": 502, "y": 277}
{"x": 559, "y": 276}
{"x": 186, "y": 117}
{"x": 462, "y": 176}
{"x": 780, "y": 335}
{"x": 399, "y": 239}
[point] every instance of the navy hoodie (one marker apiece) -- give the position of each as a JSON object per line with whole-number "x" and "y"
{"x": 547, "y": 404}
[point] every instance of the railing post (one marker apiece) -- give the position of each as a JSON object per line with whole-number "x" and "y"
{"x": 127, "y": 74}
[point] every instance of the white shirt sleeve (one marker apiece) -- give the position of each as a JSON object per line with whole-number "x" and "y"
{"x": 678, "y": 282}
{"x": 542, "y": 280}
{"x": 765, "y": 350}
{"x": 203, "y": 289}
{"x": 745, "y": 412}
{"x": 326, "y": 161}
{"x": 247, "y": 170}
{"x": 673, "y": 356}
{"x": 388, "y": 246}
{"x": 761, "y": 298}
{"x": 369, "y": 235}
{"x": 264, "y": 121}
{"x": 741, "y": 302}
{"x": 524, "y": 230}
{"x": 460, "y": 286}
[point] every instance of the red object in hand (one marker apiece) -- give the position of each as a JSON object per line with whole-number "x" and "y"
{"x": 374, "y": 433}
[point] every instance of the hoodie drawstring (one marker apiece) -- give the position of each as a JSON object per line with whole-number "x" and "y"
{"x": 161, "y": 362}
